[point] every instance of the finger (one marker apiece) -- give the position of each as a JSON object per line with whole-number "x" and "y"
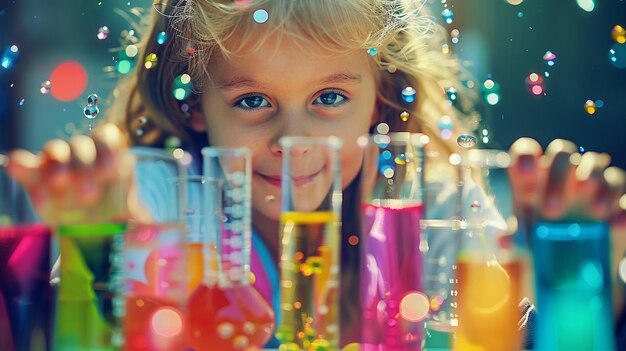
{"x": 55, "y": 165}
{"x": 24, "y": 167}
{"x": 619, "y": 219}
{"x": 109, "y": 140}
{"x": 83, "y": 161}
{"x": 525, "y": 172}
{"x": 557, "y": 198}
{"x": 606, "y": 202}
{"x": 590, "y": 180}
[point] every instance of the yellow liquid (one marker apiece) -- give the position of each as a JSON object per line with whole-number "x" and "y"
{"x": 309, "y": 265}
{"x": 487, "y": 304}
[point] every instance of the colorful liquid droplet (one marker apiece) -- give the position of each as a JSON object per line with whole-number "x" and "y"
{"x": 372, "y": 51}
{"x": 260, "y": 16}
{"x": 549, "y": 58}
{"x": 103, "y": 33}
{"x": 618, "y": 34}
{"x": 445, "y": 122}
{"x": 409, "y": 94}
{"x": 9, "y": 56}
{"x": 92, "y": 99}
{"x": 45, "y": 86}
{"x": 466, "y": 141}
{"x": 617, "y": 55}
{"x": 404, "y": 116}
{"x": 91, "y": 111}
{"x": 400, "y": 159}
{"x": 161, "y": 38}
{"x": 151, "y": 61}
{"x": 447, "y": 16}
{"x": 590, "y": 107}
{"x": 452, "y": 93}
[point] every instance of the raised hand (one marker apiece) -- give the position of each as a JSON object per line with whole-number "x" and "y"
{"x": 85, "y": 180}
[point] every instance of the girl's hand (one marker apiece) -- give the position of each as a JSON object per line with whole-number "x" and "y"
{"x": 77, "y": 182}
{"x": 562, "y": 185}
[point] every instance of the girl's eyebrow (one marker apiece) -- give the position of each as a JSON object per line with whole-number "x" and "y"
{"x": 342, "y": 77}
{"x": 239, "y": 82}
{"x": 242, "y": 82}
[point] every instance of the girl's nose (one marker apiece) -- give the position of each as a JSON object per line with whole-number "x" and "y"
{"x": 292, "y": 126}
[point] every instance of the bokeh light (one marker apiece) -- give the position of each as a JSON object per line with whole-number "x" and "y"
{"x": 617, "y": 55}
{"x": 618, "y": 34}
{"x": 68, "y": 81}
{"x": 167, "y": 322}
{"x": 414, "y": 306}
{"x": 586, "y": 5}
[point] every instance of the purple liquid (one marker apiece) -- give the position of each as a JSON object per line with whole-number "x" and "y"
{"x": 25, "y": 292}
{"x": 392, "y": 267}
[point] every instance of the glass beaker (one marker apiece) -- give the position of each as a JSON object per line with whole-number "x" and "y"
{"x": 225, "y": 310}
{"x": 489, "y": 265}
{"x": 26, "y": 296}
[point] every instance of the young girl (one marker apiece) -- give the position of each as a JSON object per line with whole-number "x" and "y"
{"x": 265, "y": 69}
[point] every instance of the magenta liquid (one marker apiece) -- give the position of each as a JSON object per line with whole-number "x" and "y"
{"x": 25, "y": 292}
{"x": 391, "y": 269}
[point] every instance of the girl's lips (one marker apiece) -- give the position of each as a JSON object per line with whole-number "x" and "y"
{"x": 297, "y": 181}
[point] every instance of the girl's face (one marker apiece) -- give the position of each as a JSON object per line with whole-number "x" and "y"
{"x": 281, "y": 90}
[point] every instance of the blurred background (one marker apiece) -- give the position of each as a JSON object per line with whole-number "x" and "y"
{"x": 544, "y": 69}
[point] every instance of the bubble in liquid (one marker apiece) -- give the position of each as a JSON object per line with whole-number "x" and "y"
{"x": 92, "y": 99}
{"x": 103, "y": 32}
{"x": 161, "y": 38}
{"x": 618, "y": 34}
{"x": 240, "y": 342}
{"x": 225, "y": 330}
{"x": 447, "y": 16}
{"x": 404, "y": 116}
{"x": 91, "y": 111}
{"x": 45, "y": 86}
{"x": 466, "y": 140}
{"x": 617, "y": 55}
{"x": 151, "y": 60}
{"x": 590, "y": 107}
{"x": 409, "y": 94}
{"x": 372, "y": 51}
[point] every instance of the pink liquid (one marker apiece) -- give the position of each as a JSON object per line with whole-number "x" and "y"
{"x": 25, "y": 292}
{"x": 153, "y": 324}
{"x": 392, "y": 268}
{"x": 234, "y": 318}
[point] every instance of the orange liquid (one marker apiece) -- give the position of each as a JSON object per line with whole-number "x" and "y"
{"x": 196, "y": 265}
{"x": 487, "y": 304}
{"x": 234, "y": 318}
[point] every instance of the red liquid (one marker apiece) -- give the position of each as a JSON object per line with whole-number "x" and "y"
{"x": 225, "y": 319}
{"x": 153, "y": 324}
{"x": 155, "y": 287}
{"x": 392, "y": 271}
{"x": 25, "y": 292}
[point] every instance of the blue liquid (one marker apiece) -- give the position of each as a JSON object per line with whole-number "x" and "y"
{"x": 573, "y": 286}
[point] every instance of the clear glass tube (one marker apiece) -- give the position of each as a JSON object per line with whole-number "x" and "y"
{"x": 310, "y": 243}
{"x": 393, "y": 301}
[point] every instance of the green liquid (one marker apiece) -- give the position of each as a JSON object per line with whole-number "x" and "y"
{"x": 88, "y": 308}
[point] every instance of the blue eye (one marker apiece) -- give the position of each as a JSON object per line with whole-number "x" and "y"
{"x": 252, "y": 102}
{"x": 330, "y": 99}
